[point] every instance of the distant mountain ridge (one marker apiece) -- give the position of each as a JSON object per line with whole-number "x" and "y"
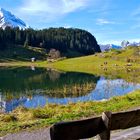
{"x": 126, "y": 43}
{"x": 107, "y": 47}
{"x": 7, "y": 19}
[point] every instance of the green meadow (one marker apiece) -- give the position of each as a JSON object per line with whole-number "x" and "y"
{"x": 123, "y": 64}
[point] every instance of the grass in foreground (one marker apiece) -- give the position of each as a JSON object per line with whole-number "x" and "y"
{"x": 28, "y": 119}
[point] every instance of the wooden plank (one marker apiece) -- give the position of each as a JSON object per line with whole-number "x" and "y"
{"x": 124, "y": 120}
{"x": 77, "y": 129}
{"x": 105, "y": 135}
{"x": 127, "y": 134}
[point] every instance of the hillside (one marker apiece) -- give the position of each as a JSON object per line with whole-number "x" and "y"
{"x": 129, "y": 54}
{"x": 115, "y": 63}
{"x": 70, "y": 42}
{"x": 120, "y": 57}
{"x": 20, "y": 53}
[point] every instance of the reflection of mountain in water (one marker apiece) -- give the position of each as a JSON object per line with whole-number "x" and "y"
{"x": 20, "y": 86}
{"x": 23, "y": 81}
{"x": 60, "y": 88}
{"x": 107, "y": 88}
{"x": 7, "y": 106}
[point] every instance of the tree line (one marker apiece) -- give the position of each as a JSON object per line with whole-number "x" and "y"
{"x": 62, "y": 39}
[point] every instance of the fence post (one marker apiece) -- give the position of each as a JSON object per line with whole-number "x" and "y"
{"x": 106, "y": 117}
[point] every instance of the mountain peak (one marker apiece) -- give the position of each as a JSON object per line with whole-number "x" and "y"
{"x": 7, "y": 19}
{"x": 107, "y": 47}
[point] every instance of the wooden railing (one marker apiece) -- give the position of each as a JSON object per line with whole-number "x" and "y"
{"x": 101, "y": 126}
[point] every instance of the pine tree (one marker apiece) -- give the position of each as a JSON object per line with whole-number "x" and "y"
{"x": 26, "y": 43}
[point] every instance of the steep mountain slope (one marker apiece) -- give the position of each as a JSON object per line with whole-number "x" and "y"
{"x": 7, "y": 19}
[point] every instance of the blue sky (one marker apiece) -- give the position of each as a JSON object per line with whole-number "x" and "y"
{"x": 110, "y": 21}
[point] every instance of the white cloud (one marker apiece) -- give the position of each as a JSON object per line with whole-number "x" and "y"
{"x": 57, "y": 7}
{"x": 46, "y": 11}
{"x": 104, "y": 21}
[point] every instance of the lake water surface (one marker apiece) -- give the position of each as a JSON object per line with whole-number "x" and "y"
{"x": 32, "y": 87}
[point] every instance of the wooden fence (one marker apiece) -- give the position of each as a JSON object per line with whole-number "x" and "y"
{"x": 101, "y": 126}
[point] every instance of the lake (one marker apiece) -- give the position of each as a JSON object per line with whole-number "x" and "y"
{"x": 33, "y": 87}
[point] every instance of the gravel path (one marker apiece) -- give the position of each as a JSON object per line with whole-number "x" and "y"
{"x": 41, "y": 134}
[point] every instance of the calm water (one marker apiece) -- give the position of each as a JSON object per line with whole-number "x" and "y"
{"x": 31, "y": 87}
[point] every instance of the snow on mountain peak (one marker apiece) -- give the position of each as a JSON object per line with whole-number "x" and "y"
{"x": 7, "y": 19}
{"x": 107, "y": 47}
{"x": 127, "y": 44}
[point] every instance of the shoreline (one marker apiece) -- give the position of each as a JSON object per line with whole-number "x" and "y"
{"x": 31, "y": 119}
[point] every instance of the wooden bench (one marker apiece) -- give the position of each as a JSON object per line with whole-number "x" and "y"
{"x": 101, "y": 126}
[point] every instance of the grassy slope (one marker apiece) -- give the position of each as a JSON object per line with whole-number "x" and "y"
{"x": 94, "y": 63}
{"x": 27, "y": 119}
{"x": 87, "y": 64}
{"x": 19, "y": 53}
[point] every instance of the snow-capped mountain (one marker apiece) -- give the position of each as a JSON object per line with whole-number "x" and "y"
{"x": 127, "y": 44}
{"x": 7, "y": 19}
{"x": 124, "y": 44}
{"x": 109, "y": 46}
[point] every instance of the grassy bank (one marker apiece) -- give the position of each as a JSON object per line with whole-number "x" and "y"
{"x": 116, "y": 67}
{"x": 114, "y": 64}
{"x": 28, "y": 119}
{"x": 94, "y": 65}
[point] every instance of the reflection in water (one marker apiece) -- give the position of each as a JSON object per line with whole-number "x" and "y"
{"x": 33, "y": 68}
{"x": 54, "y": 75}
{"x": 33, "y": 88}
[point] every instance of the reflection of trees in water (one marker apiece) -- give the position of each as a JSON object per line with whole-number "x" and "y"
{"x": 54, "y": 75}
{"x": 15, "y": 83}
{"x": 76, "y": 90}
{"x": 8, "y": 95}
